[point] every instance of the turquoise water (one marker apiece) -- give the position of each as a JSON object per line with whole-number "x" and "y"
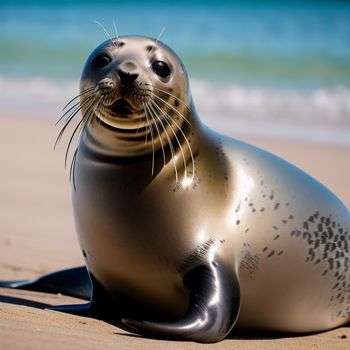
{"x": 269, "y": 62}
{"x": 298, "y": 43}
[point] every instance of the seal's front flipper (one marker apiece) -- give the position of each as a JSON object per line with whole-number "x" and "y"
{"x": 213, "y": 310}
{"x": 74, "y": 282}
{"x": 101, "y": 305}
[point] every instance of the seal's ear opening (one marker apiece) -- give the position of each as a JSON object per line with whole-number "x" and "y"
{"x": 213, "y": 308}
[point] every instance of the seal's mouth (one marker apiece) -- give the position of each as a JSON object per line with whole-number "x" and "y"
{"x": 121, "y": 107}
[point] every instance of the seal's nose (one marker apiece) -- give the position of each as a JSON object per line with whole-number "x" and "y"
{"x": 128, "y": 73}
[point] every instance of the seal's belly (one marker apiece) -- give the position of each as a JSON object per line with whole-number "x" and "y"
{"x": 128, "y": 258}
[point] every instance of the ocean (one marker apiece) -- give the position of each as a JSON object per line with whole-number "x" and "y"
{"x": 274, "y": 68}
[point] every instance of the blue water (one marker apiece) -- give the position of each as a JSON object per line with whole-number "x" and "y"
{"x": 276, "y": 61}
{"x": 267, "y": 42}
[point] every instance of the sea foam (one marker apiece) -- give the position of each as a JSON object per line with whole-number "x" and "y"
{"x": 321, "y": 114}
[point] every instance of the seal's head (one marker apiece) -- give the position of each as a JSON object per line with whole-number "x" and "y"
{"x": 135, "y": 80}
{"x": 135, "y": 101}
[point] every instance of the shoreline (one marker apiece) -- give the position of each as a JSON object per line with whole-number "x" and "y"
{"x": 319, "y": 115}
{"x": 37, "y": 236}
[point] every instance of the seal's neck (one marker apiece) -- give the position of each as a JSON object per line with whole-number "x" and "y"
{"x": 164, "y": 140}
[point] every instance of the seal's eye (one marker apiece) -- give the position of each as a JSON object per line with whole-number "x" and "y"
{"x": 101, "y": 61}
{"x": 161, "y": 69}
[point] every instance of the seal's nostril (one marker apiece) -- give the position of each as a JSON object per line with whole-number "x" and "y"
{"x": 127, "y": 78}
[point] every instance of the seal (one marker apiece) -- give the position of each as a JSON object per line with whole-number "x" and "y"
{"x": 187, "y": 233}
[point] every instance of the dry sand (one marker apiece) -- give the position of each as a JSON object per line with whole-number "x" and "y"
{"x": 37, "y": 236}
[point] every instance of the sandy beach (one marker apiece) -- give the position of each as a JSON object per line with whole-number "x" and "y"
{"x": 37, "y": 236}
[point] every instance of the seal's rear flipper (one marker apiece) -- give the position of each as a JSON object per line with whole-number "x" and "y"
{"x": 213, "y": 309}
{"x": 74, "y": 282}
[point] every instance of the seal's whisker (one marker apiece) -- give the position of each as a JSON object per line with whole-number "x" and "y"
{"x": 159, "y": 36}
{"x": 105, "y": 30}
{"x": 184, "y": 136}
{"x": 147, "y": 130}
{"x": 172, "y": 150}
{"x": 89, "y": 115}
{"x": 100, "y": 108}
{"x": 152, "y": 138}
{"x": 76, "y": 105}
{"x": 71, "y": 117}
{"x": 81, "y": 122}
{"x": 138, "y": 127}
{"x": 89, "y": 120}
{"x": 145, "y": 106}
{"x": 156, "y": 44}
{"x": 72, "y": 107}
{"x": 171, "y": 107}
{"x": 71, "y": 170}
{"x": 171, "y": 95}
{"x": 80, "y": 94}
{"x": 177, "y": 139}
{"x": 116, "y": 31}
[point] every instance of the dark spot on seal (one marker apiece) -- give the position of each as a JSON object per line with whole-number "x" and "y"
{"x": 84, "y": 253}
{"x": 262, "y": 209}
{"x": 276, "y": 206}
{"x": 291, "y": 217}
{"x": 271, "y": 254}
{"x": 275, "y": 227}
{"x": 311, "y": 255}
{"x": 311, "y": 219}
{"x": 238, "y": 207}
{"x": 306, "y": 235}
{"x": 343, "y": 336}
{"x": 276, "y": 237}
{"x": 176, "y": 103}
{"x": 335, "y": 286}
{"x": 280, "y": 253}
{"x": 265, "y": 249}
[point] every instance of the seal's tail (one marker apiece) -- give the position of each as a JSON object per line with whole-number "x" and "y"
{"x": 74, "y": 282}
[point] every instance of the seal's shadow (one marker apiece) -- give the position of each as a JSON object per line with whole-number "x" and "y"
{"x": 23, "y": 302}
{"x": 234, "y": 335}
